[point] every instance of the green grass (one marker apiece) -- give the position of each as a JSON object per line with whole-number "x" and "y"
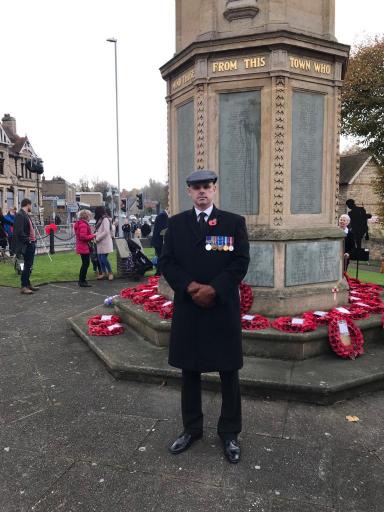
{"x": 367, "y": 276}
{"x": 65, "y": 266}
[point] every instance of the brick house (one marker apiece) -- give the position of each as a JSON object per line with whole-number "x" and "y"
{"x": 16, "y": 182}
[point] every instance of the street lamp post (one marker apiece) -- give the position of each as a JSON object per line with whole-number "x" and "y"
{"x": 114, "y": 41}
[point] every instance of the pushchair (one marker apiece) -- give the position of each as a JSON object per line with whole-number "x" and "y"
{"x": 140, "y": 264}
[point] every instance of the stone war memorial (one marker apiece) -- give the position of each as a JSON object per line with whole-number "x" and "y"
{"x": 254, "y": 93}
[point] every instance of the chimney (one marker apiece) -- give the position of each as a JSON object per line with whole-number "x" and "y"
{"x": 9, "y": 123}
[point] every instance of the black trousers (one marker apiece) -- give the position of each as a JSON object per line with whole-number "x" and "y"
{"x": 29, "y": 256}
{"x": 229, "y": 424}
{"x": 84, "y": 267}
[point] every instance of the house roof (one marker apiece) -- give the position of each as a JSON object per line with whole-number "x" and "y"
{"x": 18, "y": 142}
{"x": 350, "y": 165}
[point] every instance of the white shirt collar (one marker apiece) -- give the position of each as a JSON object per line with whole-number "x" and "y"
{"x": 207, "y": 212}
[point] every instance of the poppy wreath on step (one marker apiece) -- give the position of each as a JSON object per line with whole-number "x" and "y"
{"x": 154, "y": 303}
{"x": 345, "y": 338}
{"x": 254, "y": 322}
{"x": 105, "y": 330}
{"x": 349, "y": 312}
{"x": 372, "y": 306}
{"x": 103, "y": 320}
{"x": 315, "y": 316}
{"x": 141, "y": 296}
{"x": 246, "y": 298}
{"x": 166, "y": 310}
{"x": 289, "y": 324}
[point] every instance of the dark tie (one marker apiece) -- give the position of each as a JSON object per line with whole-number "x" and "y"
{"x": 202, "y": 223}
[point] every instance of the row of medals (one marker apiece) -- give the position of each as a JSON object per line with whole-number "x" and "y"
{"x": 219, "y": 243}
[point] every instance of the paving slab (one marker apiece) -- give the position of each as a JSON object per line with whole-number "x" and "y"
{"x": 93, "y": 487}
{"x": 19, "y": 408}
{"x": 282, "y": 469}
{"x": 194, "y": 497}
{"x": 25, "y": 477}
{"x": 326, "y": 426}
{"x": 297, "y": 506}
{"x": 358, "y": 481}
{"x": 203, "y": 462}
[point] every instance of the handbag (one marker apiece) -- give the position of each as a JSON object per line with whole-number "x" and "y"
{"x": 92, "y": 251}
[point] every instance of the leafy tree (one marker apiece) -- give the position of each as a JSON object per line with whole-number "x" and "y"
{"x": 363, "y": 96}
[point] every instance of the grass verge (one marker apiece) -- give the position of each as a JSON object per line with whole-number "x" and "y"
{"x": 65, "y": 266}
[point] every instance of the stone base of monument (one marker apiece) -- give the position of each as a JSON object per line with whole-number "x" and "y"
{"x": 324, "y": 379}
{"x": 268, "y": 343}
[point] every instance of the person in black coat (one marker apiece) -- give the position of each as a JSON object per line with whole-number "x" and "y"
{"x": 24, "y": 243}
{"x": 145, "y": 229}
{"x": 358, "y": 221}
{"x": 205, "y": 257}
{"x": 161, "y": 224}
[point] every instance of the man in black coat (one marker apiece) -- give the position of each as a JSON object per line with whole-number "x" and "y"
{"x": 205, "y": 257}
{"x": 161, "y": 223}
{"x": 24, "y": 243}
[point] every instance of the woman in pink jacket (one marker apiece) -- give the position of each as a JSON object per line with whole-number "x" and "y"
{"x": 83, "y": 237}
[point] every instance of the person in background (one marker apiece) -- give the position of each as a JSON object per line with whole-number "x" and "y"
{"x": 103, "y": 230}
{"x": 358, "y": 221}
{"x": 10, "y": 217}
{"x": 24, "y": 243}
{"x": 161, "y": 223}
{"x": 4, "y": 222}
{"x": 83, "y": 238}
{"x": 136, "y": 238}
{"x": 126, "y": 229}
{"x": 349, "y": 242}
{"x": 116, "y": 226}
{"x": 145, "y": 229}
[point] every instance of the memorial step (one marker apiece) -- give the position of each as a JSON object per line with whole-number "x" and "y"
{"x": 322, "y": 380}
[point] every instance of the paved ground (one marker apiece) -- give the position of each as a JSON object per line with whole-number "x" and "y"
{"x": 74, "y": 439}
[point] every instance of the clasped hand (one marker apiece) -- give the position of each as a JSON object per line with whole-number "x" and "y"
{"x": 202, "y": 294}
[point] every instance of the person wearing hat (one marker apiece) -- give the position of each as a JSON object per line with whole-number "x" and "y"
{"x": 204, "y": 259}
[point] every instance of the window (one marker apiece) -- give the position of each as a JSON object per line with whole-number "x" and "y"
{"x": 32, "y": 197}
{"x": 10, "y": 199}
{"x": 1, "y": 164}
{"x": 20, "y": 196}
{"x": 1, "y": 198}
{"x": 22, "y": 169}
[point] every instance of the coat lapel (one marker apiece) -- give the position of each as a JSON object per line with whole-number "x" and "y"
{"x": 194, "y": 225}
{"x": 215, "y": 216}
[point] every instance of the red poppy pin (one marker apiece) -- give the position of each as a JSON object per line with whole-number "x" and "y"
{"x": 212, "y": 222}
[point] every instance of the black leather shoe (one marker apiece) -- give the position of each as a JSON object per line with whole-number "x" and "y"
{"x": 183, "y": 442}
{"x": 232, "y": 450}
{"x": 84, "y": 284}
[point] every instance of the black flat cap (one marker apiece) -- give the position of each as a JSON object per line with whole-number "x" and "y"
{"x": 201, "y": 177}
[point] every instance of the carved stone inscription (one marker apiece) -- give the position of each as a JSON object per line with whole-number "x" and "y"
{"x": 240, "y": 151}
{"x": 261, "y": 266}
{"x": 312, "y": 262}
{"x": 307, "y": 152}
{"x": 185, "y": 150}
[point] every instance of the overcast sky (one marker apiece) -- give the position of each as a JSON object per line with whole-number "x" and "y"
{"x": 57, "y": 80}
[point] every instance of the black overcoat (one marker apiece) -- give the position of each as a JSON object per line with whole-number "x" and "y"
{"x": 205, "y": 340}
